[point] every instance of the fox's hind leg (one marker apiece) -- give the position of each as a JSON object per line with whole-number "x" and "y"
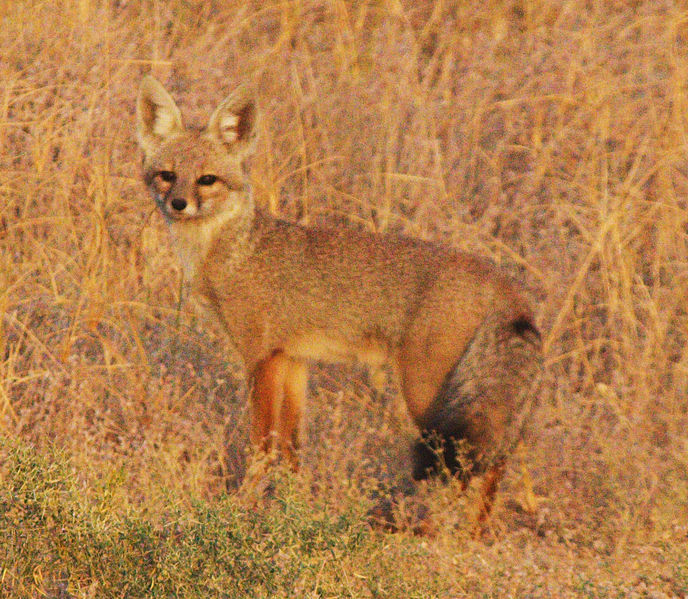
{"x": 488, "y": 489}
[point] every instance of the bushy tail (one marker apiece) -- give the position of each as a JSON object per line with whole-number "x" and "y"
{"x": 478, "y": 414}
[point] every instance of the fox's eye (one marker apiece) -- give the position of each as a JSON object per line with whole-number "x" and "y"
{"x": 206, "y": 179}
{"x": 167, "y": 176}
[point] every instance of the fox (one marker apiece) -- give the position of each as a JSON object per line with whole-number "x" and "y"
{"x": 458, "y": 333}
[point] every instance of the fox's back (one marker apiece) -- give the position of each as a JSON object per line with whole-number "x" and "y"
{"x": 353, "y": 287}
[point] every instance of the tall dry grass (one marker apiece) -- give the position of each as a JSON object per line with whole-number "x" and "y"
{"x": 550, "y": 137}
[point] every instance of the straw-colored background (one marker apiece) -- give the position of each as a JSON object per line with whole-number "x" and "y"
{"x": 550, "y": 137}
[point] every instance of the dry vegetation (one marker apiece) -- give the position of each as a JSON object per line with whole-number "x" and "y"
{"x": 548, "y": 136}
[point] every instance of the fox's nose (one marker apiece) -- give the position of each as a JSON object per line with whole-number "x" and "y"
{"x": 178, "y": 204}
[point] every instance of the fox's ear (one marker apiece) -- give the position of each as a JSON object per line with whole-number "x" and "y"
{"x": 234, "y": 123}
{"x": 157, "y": 116}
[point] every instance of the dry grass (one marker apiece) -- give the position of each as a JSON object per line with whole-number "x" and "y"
{"x": 548, "y": 136}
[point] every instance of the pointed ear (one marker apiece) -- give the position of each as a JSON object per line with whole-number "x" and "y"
{"x": 157, "y": 116}
{"x": 234, "y": 123}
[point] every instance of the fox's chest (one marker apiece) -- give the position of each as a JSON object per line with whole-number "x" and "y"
{"x": 191, "y": 249}
{"x": 194, "y": 240}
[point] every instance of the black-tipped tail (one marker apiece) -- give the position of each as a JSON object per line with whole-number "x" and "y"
{"x": 477, "y": 416}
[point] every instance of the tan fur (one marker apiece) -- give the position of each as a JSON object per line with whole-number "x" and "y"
{"x": 285, "y": 294}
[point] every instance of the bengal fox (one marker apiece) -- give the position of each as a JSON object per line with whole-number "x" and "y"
{"x": 458, "y": 332}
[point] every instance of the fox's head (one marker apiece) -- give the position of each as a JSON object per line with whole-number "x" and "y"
{"x": 195, "y": 174}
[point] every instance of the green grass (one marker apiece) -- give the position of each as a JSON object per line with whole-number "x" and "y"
{"x": 58, "y": 544}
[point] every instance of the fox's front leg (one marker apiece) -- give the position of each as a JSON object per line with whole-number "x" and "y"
{"x": 279, "y": 390}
